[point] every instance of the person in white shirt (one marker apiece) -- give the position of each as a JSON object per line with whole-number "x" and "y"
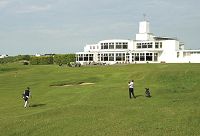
{"x": 131, "y": 89}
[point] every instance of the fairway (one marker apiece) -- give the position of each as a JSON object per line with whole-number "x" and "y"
{"x": 94, "y": 100}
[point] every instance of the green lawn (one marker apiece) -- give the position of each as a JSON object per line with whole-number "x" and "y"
{"x": 102, "y": 108}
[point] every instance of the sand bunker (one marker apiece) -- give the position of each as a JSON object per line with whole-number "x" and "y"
{"x": 86, "y": 84}
{"x": 68, "y": 85}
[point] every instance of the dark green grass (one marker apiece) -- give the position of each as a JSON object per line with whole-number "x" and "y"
{"x": 104, "y": 108}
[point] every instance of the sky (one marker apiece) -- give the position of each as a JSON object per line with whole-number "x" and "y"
{"x": 66, "y": 26}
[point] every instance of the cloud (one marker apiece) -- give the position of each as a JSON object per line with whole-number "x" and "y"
{"x": 3, "y": 3}
{"x": 34, "y": 8}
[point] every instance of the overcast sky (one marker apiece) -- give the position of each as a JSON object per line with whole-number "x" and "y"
{"x": 65, "y": 26}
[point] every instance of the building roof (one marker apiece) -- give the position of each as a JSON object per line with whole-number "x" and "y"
{"x": 164, "y": 38}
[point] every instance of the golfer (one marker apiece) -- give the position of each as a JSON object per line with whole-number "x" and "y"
{"x": 131, "y": 89}
{"x": 26, "y": 95}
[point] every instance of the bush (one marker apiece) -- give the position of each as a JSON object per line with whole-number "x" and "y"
{"x": 64, "y": 59}
{"x": 8, "y": 60}
{"x": 42, "y": 60}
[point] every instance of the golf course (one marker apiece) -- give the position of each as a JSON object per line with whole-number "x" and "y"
{"x": 94, "y": 100}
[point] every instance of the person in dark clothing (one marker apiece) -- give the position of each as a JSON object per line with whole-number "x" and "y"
{"x": 147, "y": 92}
{"x": 26, "y": 95}
{"x": 131, "y": 89}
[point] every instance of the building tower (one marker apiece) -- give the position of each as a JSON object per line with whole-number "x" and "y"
{"x": 144, "y": 32}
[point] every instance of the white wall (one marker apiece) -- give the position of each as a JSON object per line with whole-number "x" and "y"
{"x": 169, "y": 53}
{"x": 91, "y": 48}
{"x": 144, "y": 27}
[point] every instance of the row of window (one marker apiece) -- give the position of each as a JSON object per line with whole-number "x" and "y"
{"x": 117, "y": 43}
{"x": 85, "y": 57}
{"x": 114, "y": 47}
{"x": 148, "y": 45}
{"x": 145, "y": 56}
{"x": 94, "y": 47}
{"x": 188, "y": 53}
{"x": 124, "y": 45}
{"x": 119, "y": 57}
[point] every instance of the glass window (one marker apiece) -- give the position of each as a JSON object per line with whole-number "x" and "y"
{"x": 81, "y": 58}
{"x": 105, "y": 57}
{"x": 85, "y": 57}
{"x": 106, "y": 46}
{"x": 125, "y": 46}
{"x": 123, "y": 57}
{"x": 156, "y": 46}
{"x": 155, "y": 56}
{"x": 118, "y": 46}
{"x": 144, "y": 46}
{"x": 149, "y": 57}
{"x": 111, "y": 46}
{"x": 178, "y": 54}
{"x": 142, "y": 57}
{"x": 150, "y": 46}
{"x": 137, "y": 57}
{"x": 138, "y": 47}
{"x": 111, "y": 57}
{"x": 118, "y": 57}
{"x": 91, "y": 57}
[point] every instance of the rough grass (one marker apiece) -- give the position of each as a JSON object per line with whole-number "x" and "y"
{"x": 104, "y": 108}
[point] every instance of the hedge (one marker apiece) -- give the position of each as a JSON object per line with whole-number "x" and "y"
{"x": 42, "y": 60}
{"x": 64, "y": 59}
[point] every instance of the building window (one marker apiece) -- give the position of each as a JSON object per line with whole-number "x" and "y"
{"x": 138, "y": 46}
{"x": 160, "y": 44}
{"x": 144, "y": 45}
{"x": 111, "y": 56}
{"x": 155, "y": 56}
{"x": 106, "y": 46}
{"x": 123, "y": 56}
{"x": 137, "y": 57}
{"x": 133, "y": 56}
{"x": 125, "y": 46}
{"x": 105, "y": 56}
{"x": 111, "y": 46}
{"x": 142, "y": 58}
{"x": 118, "y": 57}
{"x": 90, "y": 57}
{"x": 178, "y": 54}
{"x": 85, "y": 57}
{"x": 80, "y": 57}
{"x": 101, "y": 57}
{"x": 127, "y": 57}
{"x": 149, "y": 57}
{"x": 156, "y": 45}
{"x": 118, "y": 46}
{"x": 150, "y": 45}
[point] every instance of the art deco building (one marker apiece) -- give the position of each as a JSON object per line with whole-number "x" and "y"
{"x": 147, "y": 48}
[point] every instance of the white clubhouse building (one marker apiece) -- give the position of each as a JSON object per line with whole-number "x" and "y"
{"x": 147, "y": 48}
